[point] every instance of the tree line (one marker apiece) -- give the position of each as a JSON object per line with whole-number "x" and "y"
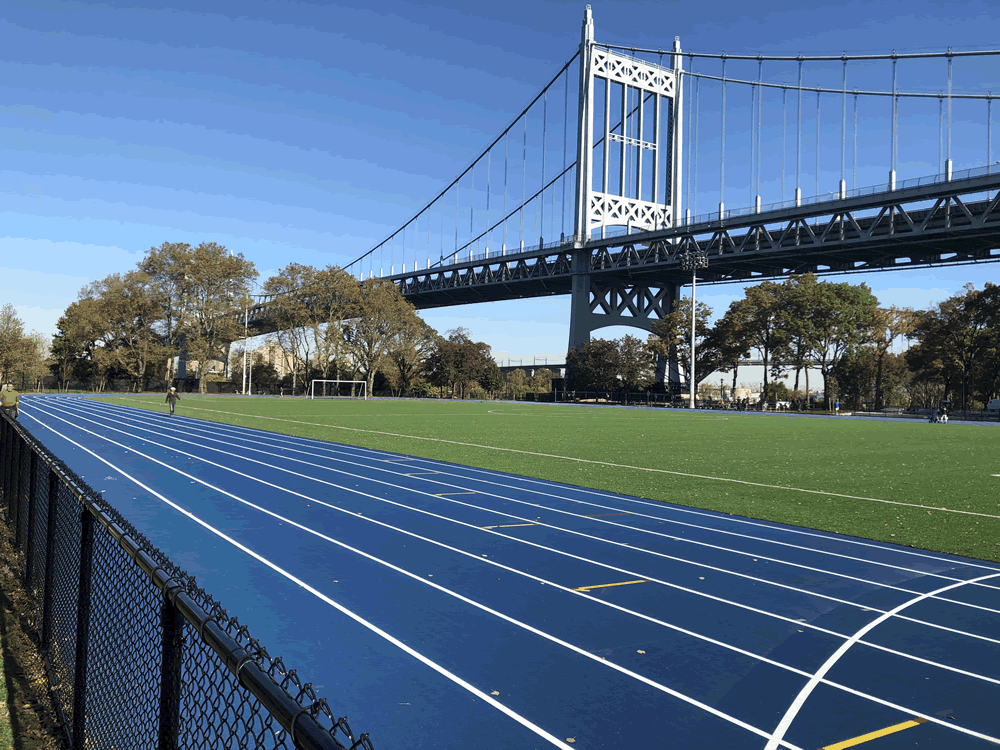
{"x": 132, "y": 326}
{"x": 837, "y": 328}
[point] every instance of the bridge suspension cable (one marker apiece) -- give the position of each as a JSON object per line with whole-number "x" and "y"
{"x": 808, "y": 58}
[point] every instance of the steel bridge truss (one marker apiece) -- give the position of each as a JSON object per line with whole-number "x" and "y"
{"x": 941, "y": 224}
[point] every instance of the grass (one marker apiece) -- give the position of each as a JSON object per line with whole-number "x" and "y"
{"x": 818, "y": 473}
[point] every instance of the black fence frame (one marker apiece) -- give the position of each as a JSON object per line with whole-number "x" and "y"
{"x": 137, "y": 654}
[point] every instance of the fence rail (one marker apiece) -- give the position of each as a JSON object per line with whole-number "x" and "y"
{"x": 138, "y": 655}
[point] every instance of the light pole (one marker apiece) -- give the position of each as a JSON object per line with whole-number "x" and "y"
{"x": 692, "y": 260}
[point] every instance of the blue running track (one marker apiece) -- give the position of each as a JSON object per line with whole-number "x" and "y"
{"x": 443, "y": 607}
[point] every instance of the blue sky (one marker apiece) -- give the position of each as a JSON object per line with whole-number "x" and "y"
{"x": 298, "y": 131}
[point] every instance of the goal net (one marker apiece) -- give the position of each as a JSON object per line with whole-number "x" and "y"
{"x": 338, "y": 389}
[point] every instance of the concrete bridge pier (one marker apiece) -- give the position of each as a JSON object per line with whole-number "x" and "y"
{"x": 611, "y": 302}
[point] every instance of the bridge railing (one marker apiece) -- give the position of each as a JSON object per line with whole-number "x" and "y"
{"x": 137, "y": 654}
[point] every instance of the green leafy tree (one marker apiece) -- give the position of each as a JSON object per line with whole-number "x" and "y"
{"x": 758, "y": 317}
{"x": 382, "y": 315}
{"x": 672, "y": 333}
{"x": 593, "y": 366}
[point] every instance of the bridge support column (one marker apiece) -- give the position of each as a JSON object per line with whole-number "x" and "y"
{"x": 596, "y": 305}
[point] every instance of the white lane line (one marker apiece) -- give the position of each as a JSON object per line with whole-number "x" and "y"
{"x": 652, "y": 532}
{"x": 601, "y": 463}
{"x": 807, "y": 689}
{"x": 566, "y": 554}
{"x": 565, "y": 644}
{"x": 323, "y": 597}
{"x": 324, "y": 445}
{"x": 780, "y": 742}
{"x": 589, "y": 536}
{"x": 521, "y": 518}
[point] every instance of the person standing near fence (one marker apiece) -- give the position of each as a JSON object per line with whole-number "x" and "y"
{"x": 172, "y": 398}
{"x": 10, "y": 400}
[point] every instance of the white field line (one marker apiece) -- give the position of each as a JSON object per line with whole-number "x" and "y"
{"x": 605, "y": 521}
{"x": 816, "y": 679}
{"x": 560, "y": 552}
{"x": 413, "y": 576}
{"x": 672, "y": 537}
{"x": 325, "y": 446}
{"x": 599, "y": 463}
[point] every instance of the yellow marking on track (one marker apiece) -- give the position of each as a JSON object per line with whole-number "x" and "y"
{"x": 598, "y": 515}
{"x": 508, "y": 526}
{"x": 442, "y": 494}
{"x": 874, "y": 735}
{"x": 606, "y": 585}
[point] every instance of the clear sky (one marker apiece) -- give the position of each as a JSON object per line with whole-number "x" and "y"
{"x": 308, "y": 131}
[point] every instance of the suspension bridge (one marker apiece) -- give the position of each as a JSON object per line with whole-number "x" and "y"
{"x": 597, "y": 187}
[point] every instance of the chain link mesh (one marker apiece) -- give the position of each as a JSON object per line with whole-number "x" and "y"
{"x": 162, "y": 664}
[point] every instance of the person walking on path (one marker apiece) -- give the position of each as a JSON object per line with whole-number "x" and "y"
{"x": 10, "y": 400}
{"x": 172, "y": 398}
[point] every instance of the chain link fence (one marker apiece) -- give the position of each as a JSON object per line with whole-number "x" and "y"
{"x": 138, "y": 656}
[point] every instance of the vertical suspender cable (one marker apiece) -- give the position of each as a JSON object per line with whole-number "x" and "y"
{"x": 989, "y": 132}
{"x": 817, "y": 143}
{"x": 760, "y": 108}
{"x": 753, "y": 141}
{"x": 562, "y": 204}
{"x": 455, "y": 257}
{"x": 950, "y": 59}
{"x": 472, "y": 208}
{"x": 784, "y": 96}
{"x": 940, "y": 135}
{"x": 722, "y": 150}
{"x": 489, "y": 175}
{"x": 854, "y": 147}
{"x": 694, "y": 166}
{"x": 524, "y": 171}
{"x": 895, "y": 116}
{"x": 541, "y": 198}
{"x": 690, "y": 130}
{"x": 843, "y": 125}
{"x": 798, "y": 134}
{"x": 506, "y": 139}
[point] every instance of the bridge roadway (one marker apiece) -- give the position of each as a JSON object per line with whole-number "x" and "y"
{"x": 918, "y": 226}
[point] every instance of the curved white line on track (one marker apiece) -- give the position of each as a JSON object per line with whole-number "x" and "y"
{"x": 600, "y": 463}
{"x": 818, "y": 677}
{"x": 441, "y": 670}
{"x": 780, "y": 742}
{"x": 601, "y": 539}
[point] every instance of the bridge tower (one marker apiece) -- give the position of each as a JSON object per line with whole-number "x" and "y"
{"x": 628, "y": 176}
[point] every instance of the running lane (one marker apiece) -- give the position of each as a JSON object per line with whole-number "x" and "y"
{"x": 441, "y": 606}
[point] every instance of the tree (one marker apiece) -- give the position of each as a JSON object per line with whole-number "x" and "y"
{"x": 459, "y": 362}
{"x": 11, "y": 341}
{"x": 200, "y": 292}
{"x": 411, "y": 347}
{"x": 382, "y": 315}
{"x": 673, "y": 333}
{"x": 955, "y": 336}
{"x": 842, "y": 318}
{"x": 541, "y": 381}
{"x": 593, "y": 366}
{"x": 759, "y": 321}
{"x": 517, "y": 382}
{"x": 289, "y": 309}
{"x": 635, "y": 363}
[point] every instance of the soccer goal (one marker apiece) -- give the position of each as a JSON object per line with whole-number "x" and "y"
{"x": 338, "y": 389}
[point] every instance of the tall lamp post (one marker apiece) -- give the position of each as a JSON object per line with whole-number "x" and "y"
{"x": 692, "y": 261}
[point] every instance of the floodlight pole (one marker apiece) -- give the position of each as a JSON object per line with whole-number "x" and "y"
{"x": 246, "y": 336}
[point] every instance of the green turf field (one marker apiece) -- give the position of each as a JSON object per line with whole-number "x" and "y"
{"x": 820, "y": 473}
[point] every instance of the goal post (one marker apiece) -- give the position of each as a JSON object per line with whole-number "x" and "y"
{"x": 338, "y": 389}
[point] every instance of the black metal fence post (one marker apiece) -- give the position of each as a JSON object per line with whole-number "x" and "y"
{"x": 29, "y": 552}
{"x": 50, "y": 557}
{"x": 171, "y": 629}
{"x": 83, "y": 630}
